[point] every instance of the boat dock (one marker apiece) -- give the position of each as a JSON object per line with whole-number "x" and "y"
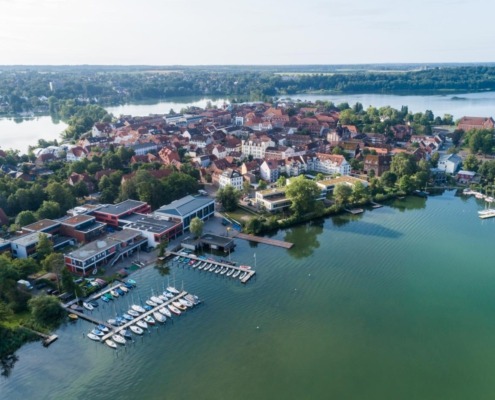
{"x": 107, "y": 290}
{"x": 116, "y": 329}
{"x": 249, "y": 272}
{"x": 88, "y": 318}
{"x": 47, "y": 339}
{"x": 354, "y": 211}
{"x": 259, "y": 239}
{"x": 375, "y": 205}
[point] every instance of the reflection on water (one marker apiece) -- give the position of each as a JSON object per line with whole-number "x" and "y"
{"x": 7, "y": 363}
{"x": 305, "y": 238}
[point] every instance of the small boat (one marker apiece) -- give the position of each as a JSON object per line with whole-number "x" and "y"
{"x": 105, "y": 299}
{"x": 236, "y": 274}
{"x": 120, "y": 320}
{"x": 142, "y": 324}
{"x": 114, "y": 293}
{"x": 176, "y": 258}
{"x": 156, "y": 300}
{"x": 147, "y": 307}
{"x": 201, "y": 265}
{"x": 93, "y": 337}
{"x": 112, "y": 321}
{"x": 219, "y": 268}
{"x": 151, "y": 303}
{"x": 73, "y": 317}
{"x": 123, "y": 288}
{"x": 192, "y": 298}
{"x": 137, "y": 308}
{"x": 102, "y": 328}
{"x": 243, "y": 275}
{"x": 75, "y": 307}
{"x": 174, "y": 309}
{"x": 224, "y": 271}
{"x": 125, "y": 334}
{"x": 88, "y": 306}
{"x": 168, "y": 295}
{"x": 128, "y": 285}
{"x": 97, "y": 332}
{"x": 118, "y": 339}
{"x": 212, "y": 267}
{"x": 179, "y": 305}
{"x": 131, "y": 282}
{"x": 133, "y": 313}
{"x": 120, "y": 291}
{"x": 172, "y": 290}
{"x": 149, "y": 320}
{"x": 136, "y": 329}
{"x": 108, "y": 295}
{"x": 166, "y": 312}
{"x": 127, "y": 317}
{"x": 110, "y": 343}
{"x": 94, "y": 303}
{"x": 185, "y": 302}
{"x": 231, "y": 271}
{"x": 245, "y": 267}
{"x": 192, "y": 263}
{"x": 163, "y": 298}
{"x": 159, "y": 317}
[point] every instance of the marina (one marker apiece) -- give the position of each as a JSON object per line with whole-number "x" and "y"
{"x": 264, "y": 240}
{"x": 244, "y": 273}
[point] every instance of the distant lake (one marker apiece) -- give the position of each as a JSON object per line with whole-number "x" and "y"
{"x": 19, "y": 135}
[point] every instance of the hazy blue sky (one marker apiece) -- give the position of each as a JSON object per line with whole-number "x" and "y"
{"x": 245, "y": 32}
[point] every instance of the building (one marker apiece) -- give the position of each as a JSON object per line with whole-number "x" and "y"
{"x": 329, "y": 164}
{"x": 328, "y": 185}
{"x": 141, "y": 149}
{"x": 186, "y": 209}
{"x": 465, "y": 177}
{"x": 111, "y": 213}
{"x": 84, "y": 228}
{"x": 272, "y": 199}
{"x": 377, "y": 163}
{"x": 231, "y": 177}
{"x": 256, "y": 148}
{"x": 269, "y": 170}
{"x": 155, "y": 230}
{"x": 25, "y": 246}
{"x": 468, "y": 123}
{"x": 107, "y": 250}
{"x": 449, "y": 163}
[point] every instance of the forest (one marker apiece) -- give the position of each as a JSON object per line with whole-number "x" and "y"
{"x": 36, "y": 90}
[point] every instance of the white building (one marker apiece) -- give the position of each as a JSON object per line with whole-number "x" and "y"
{"x": 187, "y": 208}
{"x": 231, "y": 177}
{"x": 256, "y": 148}
{"x": 449, "y": 163}
{"x": 270, "y": 170}
{"x": 329, "y": 164}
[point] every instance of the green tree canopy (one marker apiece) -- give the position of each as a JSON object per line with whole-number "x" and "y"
{"x": 228, "y": 197}
{"x": 46, "y": 310}
{"x": 303, "y": 194}
{"x": 196, "y": 226}
{"x": 25, "y": 218}
{"x": 342, "y": 194}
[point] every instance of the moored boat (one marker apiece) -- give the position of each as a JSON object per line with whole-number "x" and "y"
{"x": 127, "y": 317}
{"x": 159, "y": 317}
{"x": 172, "y": 290}
{"x": 137, "y": 308}
{"x": 236, "y": 274}
{"x": 102, "y": 328}
{"x": 168, "y": 295}
{"x": 133, "y": 313}
{"x": 218, "y": 269}
{"x": 112, "y": 321}
{"x": 231, "y": 271}
{"x": 224, "y": 271}
{"x": 114, "y": 293}
{"x": 118, "y": 339}
{"x": 174, "y": 309}
{"x": 97, "y": 332}
{"x": 136, "y": 329}
{"x": 93, "y": 337}
{"x": 165, "y": 311}
{"x": 149, "y": 320}
{"x": 242, "y": 276}
{"x": 212, "y": 267}
{"x": 142, "y": 324}
{"x": 131, "y": 282}
{"x": 110, "y": 343}
{"x": 179, "y": 305}
{"x": 73, "y": 317}
{"x": 94, "y": 303}
{"x": 125, "y": 334}
{"x": 105, "y": 299}
{"x": 156, "y": 300}
{"x": 123, "y": 288}
{"x": 185, "y": 302}
{"x": 88, "y": 306}
{"x": 151, "y": 303}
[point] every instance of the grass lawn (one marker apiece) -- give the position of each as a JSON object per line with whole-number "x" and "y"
{"x": 240, "y": 215}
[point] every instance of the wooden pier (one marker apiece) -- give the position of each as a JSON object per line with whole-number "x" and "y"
{"x": 47, "y": 339}
{"x": 89, "y": 318}
{"x": 116, "y": 329}
{"x": 249, "y": 272}
{"x": 354, "y": 211}
{"x": 259, "y": 239}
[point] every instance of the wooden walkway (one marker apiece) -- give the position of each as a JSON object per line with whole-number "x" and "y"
{"x": 249, "y": 272}
{"x": 89, "y": 318}
{"x": 116, "y": 329}
{"x": 259, "y": 239}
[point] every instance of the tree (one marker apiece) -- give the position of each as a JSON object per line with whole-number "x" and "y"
{"x": 61, "y": 195}
{"x": 68, "y": 283}
{"x": 470, "y": 163}
{"x": 302, "y": 193}
{"x": 54, "y": 262}
{"x": 359, "y": 192}
{"x": 228, "y": 197}
{"x": 434, "y": 159}
{"x": 342, "y": 194}
{"x": 44, "y": 246}
{"x": 281, "y": 182}
{"x": 49, "y": 210}
{"x": 405, "y": 184}
{"x": 46, "y": 310}
{"x": 25, "y": 218}
{"x": 246, "y": 187}
{"x": 262, "y": 185}
{"x": 196, "y": 226}
{"x": 403, "y": 164}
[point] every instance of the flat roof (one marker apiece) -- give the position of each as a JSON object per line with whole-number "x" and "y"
{"x": 78, "y": 219}
{"x": 41, "y": 224}
{"x": 144, "y": 223}
{"x": 186, "y": 205}
{"x": 30, "y": 238}
{"x": 121, "y": 208}
{"x": 123, "y": 235}
{"x": 215, "y": 239}
{"x": 342, "y": 179}
{"x": 93, "y": 248}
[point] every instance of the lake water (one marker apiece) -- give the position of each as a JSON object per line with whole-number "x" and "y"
{"x": 21, "y": 135}
{"x": 397, "y": 303}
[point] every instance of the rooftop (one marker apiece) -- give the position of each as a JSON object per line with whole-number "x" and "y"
{"x": 77, "y": 219}
{"x": 121, "y": 208}
{"x": 93, "y": 248}
{"x": 185, "y": 206}
{"x": 41, "y": 225}
{"x": 30, "y": 238}
{"x": 144, "y": 223}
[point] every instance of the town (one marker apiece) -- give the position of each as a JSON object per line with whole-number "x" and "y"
{"x": 137, "y": 183}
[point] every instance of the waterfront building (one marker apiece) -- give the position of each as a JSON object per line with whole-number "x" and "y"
{"x": 187, "y": 208}
{"x": 155, "y": 230}
{"x": 231, "y": 177}
{"x": 449, "y": 163}
{"x": 111, "y": 213}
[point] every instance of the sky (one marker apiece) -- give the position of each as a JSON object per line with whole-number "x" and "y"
{"x": 228, "y": 32}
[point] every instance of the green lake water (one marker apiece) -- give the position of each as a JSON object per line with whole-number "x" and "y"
{"x": 396, "y": 303}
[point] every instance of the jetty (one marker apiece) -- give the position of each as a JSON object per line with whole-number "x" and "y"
{"x": 264, "y": 240}
{"x": 375, "y": 205}
{"x": 89, "y": 318}
{"x": 116, "y": 329}
{"x": 354, "y": 211}
{"x": 249, "y": 272}
{"x": 47, "y": 339}
{"x": 107, "y": 290}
